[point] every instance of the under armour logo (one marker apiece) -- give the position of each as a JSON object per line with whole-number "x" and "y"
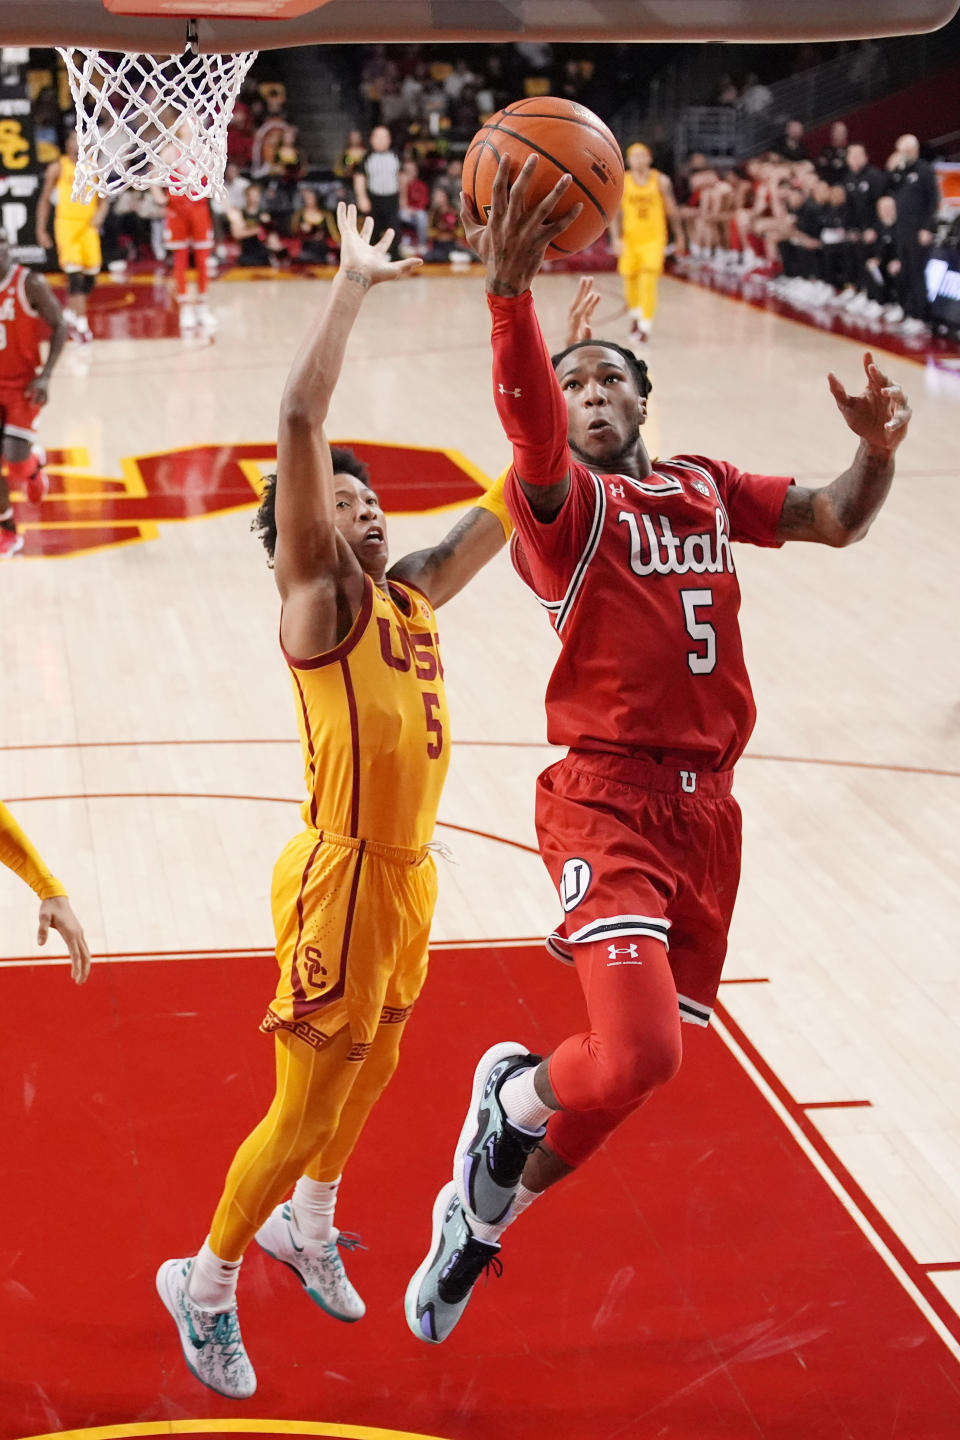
{"x": 515, "y": 393}
{"x": 630, "y": 950}
{"x": 688, "y": 781}
{"x": 617, "y": 491}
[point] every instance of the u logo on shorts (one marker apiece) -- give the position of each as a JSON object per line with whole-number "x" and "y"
{"x": 574, "y": 883}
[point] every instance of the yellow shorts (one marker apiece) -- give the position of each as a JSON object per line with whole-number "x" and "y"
{"x": 352, "y": 921}
{"x": 636, "y": 259}
{"x": 78, "y": 245}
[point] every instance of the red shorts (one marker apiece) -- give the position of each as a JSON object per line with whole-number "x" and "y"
{"x": 639, "y": 848}
{"x": 18, "y": 414}
{"x": 188, "y": 224}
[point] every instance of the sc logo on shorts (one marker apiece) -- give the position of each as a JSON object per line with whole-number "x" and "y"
{"x": 574, "y": 883}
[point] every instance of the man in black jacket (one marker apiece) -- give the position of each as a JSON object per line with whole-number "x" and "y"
{"x": 862, "y": 185}
{"x": 913, "y": 184}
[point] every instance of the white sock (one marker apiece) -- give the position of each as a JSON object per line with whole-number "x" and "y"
{"x": 492, "y": 1233}
{"x": 522, "y": 1104}
{"x": 212, "y": 1283}
{"x": 314, "y": 1202}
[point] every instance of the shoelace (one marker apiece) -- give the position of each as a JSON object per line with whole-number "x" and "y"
{"x": 226, "y": 1333}
{"x": 348, "y": 1240}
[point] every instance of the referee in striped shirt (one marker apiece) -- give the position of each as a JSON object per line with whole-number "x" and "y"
{"x": 376, "y": 182}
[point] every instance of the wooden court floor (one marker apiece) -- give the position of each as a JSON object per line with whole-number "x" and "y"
{"x": 773, "y": 1249}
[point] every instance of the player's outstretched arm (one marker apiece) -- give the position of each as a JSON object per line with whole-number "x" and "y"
{"x": 580, "y": 314}
{"x": 843, "y": 511}
{"x": 311, "y": 563}
{"x": 442, "y": 570}
{"x": 48, "y": 307}
{"x": 17, "y": 853}
{"x": 512, "y": 246}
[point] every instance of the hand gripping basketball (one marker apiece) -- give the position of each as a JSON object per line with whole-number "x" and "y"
{"x": 514, "y": 241}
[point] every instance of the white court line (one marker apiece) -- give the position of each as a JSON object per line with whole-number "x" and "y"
{"x": 836, "y": 1185}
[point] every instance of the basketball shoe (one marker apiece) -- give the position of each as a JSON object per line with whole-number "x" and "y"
{"x": 10, "y": 543}
{"x": 492, "y": 1151}
{"x": 318, "y": 1267}
{"x": 38, "y": 484}
{"x": 439, "y": 1291}
{"x": 211, "y": 1340}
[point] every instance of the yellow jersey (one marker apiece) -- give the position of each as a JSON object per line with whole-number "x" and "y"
{"x": 374, "y": 725}
{"x": 69, "y": 210}
{"x": 643, "y": 217}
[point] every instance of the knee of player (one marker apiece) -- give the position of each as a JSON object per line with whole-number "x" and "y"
{"x": 642, "y": 1063}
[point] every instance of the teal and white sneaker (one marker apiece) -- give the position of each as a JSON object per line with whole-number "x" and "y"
{"x": 491, "y": 1152}
{"x": 319, "y": 1268}
{"x": 438, "y": 1292}
{"x": 212, "y": 1345}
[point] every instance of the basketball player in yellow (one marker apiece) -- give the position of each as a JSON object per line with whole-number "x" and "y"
{"x": 354, "y": 892}
{"x": 639, "y": 235}
{"x": 56, "y": 912}
{"x": 76, "y": 229}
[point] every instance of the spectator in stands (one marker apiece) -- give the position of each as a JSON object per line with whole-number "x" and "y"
{"x": 913, "y": 184}
{"x": 833, "y": 234}
{"x": 755, "y": 97}
{"x": 353, "y": 155}
{"x": 252, "y": 227}
{"x": 414, "y": 200}
{"x": 460, "y": 78}
{"x": 241, "y": 130}
{"x": 269, "y": 136}
{"x": 726, "y": 92}
{"x": 883, "y": 267}
{"x": 862, "y": 187}
{"x": 47, "y": 126}
{"x": 316, "y": 229}
{"x": 443, "y": 226}
{"x": 791, "y": 144}
{"x": 376, "y": 183}
{"x": 832, "y": 164}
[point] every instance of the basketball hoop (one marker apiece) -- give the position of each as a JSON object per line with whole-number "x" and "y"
{"x": 146, "y": 120}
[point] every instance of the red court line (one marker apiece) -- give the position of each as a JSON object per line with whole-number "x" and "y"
{"x": 835, "y": 1104}
{"x": 878, "y": 765}
{"x": 942, "y": 1265}
{"x": 917, "y": 1272}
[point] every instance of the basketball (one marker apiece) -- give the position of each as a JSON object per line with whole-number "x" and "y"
{"x": 568, "y": 139}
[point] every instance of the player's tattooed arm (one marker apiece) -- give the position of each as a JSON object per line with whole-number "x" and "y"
{"x": 842, "y": 512}
{"x": 442, "y": 570}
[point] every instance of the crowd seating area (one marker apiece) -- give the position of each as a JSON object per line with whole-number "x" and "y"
{"x": 836, "y": 228}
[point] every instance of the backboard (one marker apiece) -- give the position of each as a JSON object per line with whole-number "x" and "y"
{"x": 232, "y": 25}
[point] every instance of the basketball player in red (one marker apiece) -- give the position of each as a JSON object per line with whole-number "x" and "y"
{"x": 27, "y": 306}
{"x": 189, "y": 226}
{"x": 637, "y": 825}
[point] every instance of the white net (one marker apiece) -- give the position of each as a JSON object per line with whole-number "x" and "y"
{"x": 145, "y": 120}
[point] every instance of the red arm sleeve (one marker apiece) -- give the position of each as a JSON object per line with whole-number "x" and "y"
{"x": 525, "y": 390}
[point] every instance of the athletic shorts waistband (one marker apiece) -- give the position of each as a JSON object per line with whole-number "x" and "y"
{"x": 651, "y": 775}
{"x": 394, "y": 854}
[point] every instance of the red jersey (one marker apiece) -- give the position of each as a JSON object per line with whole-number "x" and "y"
{"x": 639, "y": 581}
{"x": 19, "y": 331}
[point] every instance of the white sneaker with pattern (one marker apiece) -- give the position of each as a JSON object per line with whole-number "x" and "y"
{"x": 211, "y": 1340}
{"x": 318, "y": 1267}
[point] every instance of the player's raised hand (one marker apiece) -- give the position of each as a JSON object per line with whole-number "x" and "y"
{"x": 57, "y": 914}
{"x": 880, "y": 414}
{"x": 363, "y": 261}
{"x": 582, "y": 306}
{"x": 515, "y": 238}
